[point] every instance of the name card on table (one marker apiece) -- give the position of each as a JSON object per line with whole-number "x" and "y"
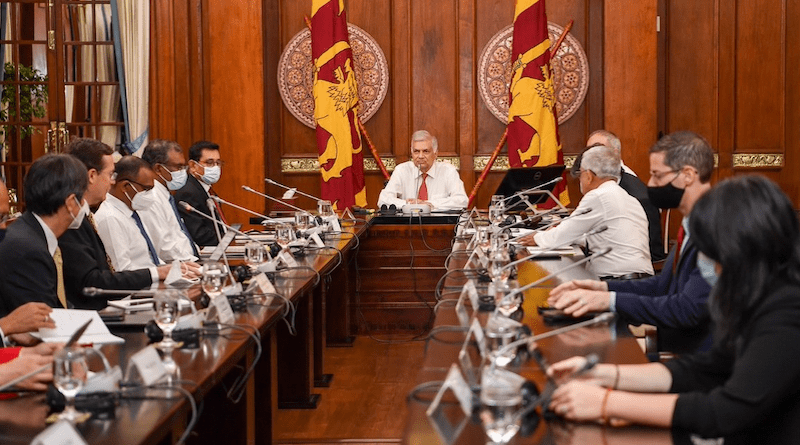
{"x": 449, "y": 431}
{"x": 469, "y": 291}
{"x": 146, "y": 366}
{"x": 225, "y": 313}
{"x": 287, "y": 258}
{"x": 59, "y": 433}
{"x": 317, "y": 240}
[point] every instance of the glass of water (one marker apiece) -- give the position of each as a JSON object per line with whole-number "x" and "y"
{"x": 254, "y": 253}
{"x": 302, "y": 220}
{"x": 69, "y": 376}
{"x": 484, "y": 235}
{"x": 284, "y": 234}
{"x": 214, "y": 278}
{"x": 501, "y": 399}
{"x": 497, "y": 214}
{"x": 324, "y": 208}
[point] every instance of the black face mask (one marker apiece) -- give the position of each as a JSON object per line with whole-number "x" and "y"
{"x": 665, "y": 197}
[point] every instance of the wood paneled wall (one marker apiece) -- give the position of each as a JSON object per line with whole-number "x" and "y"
{"x": 726, "y": 76}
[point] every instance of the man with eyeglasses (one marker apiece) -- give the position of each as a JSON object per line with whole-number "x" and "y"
{"x": 128, "y": 244}
{"x": 675, "y": 301}
{"x": 205, "y": 169}
{"x": 86, "y": 263}
{"x": 163, "y": 221}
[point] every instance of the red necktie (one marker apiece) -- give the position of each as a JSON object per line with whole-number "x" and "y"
{"x": 681, "y": 235}
{"x": 423, "y": 189}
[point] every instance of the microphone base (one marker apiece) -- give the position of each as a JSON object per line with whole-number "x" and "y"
{"x": 412, "y": 209}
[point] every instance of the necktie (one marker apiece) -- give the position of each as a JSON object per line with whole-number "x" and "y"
{"x": 423, "y": 189}
{"x": 678, "y": 246}
{"x": 94, "y": 226}
{"x": 216, "y": 204}
{"x": 183, "y": 226}
{"x": 150, "y": 247}
{"x": 62, "y": 295}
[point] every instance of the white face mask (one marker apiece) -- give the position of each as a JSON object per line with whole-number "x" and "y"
{"x": 82, "y": 212}
{"x": 141, "y": 200}
{"x": 211, "y": 174}
{"x": 178, "y": 179}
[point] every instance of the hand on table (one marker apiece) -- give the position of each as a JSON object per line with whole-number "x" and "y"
{"x": 27, "y": 318}
{"x": 578, "y": 297}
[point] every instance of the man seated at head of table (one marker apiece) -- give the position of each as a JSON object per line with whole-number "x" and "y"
{"x": 85, "y": 261}
{"x": 611, "y": 206}
{"x": 675, "y": 301}
{"x": 162, "y": 219}
{"x": 745, "y": 388}
{"x": 422, "y": 180}
{"x": 128, "y": 244}
{"x": 30, "y": 258}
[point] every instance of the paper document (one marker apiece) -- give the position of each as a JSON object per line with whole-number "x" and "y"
{"x": 69, "y": 320}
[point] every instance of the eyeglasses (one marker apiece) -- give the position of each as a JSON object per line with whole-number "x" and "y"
{"x": 140, "y": 185}
{"x": 174, "y": 168}
{"x": 660, "y": 175}
{"x": 212, "y": 162}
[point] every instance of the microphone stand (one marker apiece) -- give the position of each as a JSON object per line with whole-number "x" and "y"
{"x": 271, "y": 198}
{"x": 270, "y": 181}
{"x": 547, "y": 226}
{"x": 244, "y": 209}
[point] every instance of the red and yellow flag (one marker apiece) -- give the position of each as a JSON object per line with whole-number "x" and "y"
{"x": 336, "y": 105}
{"x": 532, "y": 121}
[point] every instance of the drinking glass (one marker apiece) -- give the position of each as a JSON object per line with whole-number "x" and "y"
{"x": 302, "y": 220}
{"x": 324, "y": 208}
{"x": 506, "y": 299}
{"x": 284, "y": 234}
{"x": 69, "y": 376}
{"x": 214, "y": 278}
{"x": 484, "y": 236}
{"x": 497, "y": 200}
{"x": 254, "y": 253}
{"x": 498, "y": 260}
{"x": 500, "y": 401}
{"x": 496, "y": 214}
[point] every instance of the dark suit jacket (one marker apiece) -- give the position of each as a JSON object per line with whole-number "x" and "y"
{"x": 636, "y": 188}
{"x": 201, "y": 229}
{"x": 29, "y": 272}
{"x": 85, "y": 265}
{"x": 676, "y": 303}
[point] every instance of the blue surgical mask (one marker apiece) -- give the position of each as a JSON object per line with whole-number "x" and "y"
{"x": 211, "y": 174}
{"x": 707, "y": 269}
{"x": 178, "y": 179}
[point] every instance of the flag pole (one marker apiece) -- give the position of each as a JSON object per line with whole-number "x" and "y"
{"x": 363, "y": 130}
{"x": 502, "y": 142}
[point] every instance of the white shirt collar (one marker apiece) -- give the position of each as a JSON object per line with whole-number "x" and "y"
{"x": 116, "y": 203}
{"x": 159, "y": 188}
{"x": 206, "y": 187}
{"x": 52, "y": 241}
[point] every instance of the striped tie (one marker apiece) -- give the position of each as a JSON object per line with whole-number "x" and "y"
{"x": 94, "y": 226}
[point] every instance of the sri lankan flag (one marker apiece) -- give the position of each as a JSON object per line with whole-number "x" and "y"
{"x": 336, "y": 105}
{"x": 532, "y": 122}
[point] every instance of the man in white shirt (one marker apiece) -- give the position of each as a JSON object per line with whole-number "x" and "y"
{"x": 127, "y": 242}
{"x": 162, "y": 219}
{"x": 422, "y": 180}
{"x": 627, "y": 234}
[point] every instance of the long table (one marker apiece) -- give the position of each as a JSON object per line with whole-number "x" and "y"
{"x": 611, "y": 342}
{"x": 285, "y": 376}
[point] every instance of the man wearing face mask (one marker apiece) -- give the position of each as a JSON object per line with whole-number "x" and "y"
{"x": 163, "y": 221}
{"x": 128, "y": 244}
{"x": 675, "y": 301}
{"x": 205, "y": 168}
{"x": 30, "y": 257}
{"x": 86, "y": 263}
{"x": 422, "y": 180}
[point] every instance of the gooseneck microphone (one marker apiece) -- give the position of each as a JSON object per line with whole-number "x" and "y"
{"x": 532, "y": 189}
{"x": 244, "y": 209}
{"x": 563, "y": 269}
{"x": 547, "y": 226}
{"x": 271, "y": 198}
{"x": 189, "y": 208}
{"x": 96, "y": 291}
{"x": 270, "y": 181}
{"x": 594, "y": 231}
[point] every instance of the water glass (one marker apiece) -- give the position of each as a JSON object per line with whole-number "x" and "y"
{"x": 214, "y": 278}
{"x": 484, "y": 236}
{"x": 496, "y": 214}
{"x": 500, "y": 402}
{"x": 302, "y": 220}
{"x": 498, "y": 260}
{"x": 506, "y": 299}
{"x": 284, "y": 234}
{"x": 324, "y": 208}
{"x": 69, "y": 376}
{"x": 497, "y": 200}
{"x": 254, "y": 253}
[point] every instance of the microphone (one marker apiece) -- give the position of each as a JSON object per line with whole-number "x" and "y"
{"x": 594, "y": 231}
{"x": 523, "y": 192}
{"x": 270, "y": 181}
{"x": 95, "y": 291}
{"x": 563, "y": 269}
{"x": 600, "y": 318}
{"x": 271, "y": 198}
{"x": 222, "y": 201}
{"x": 189, "y": 208}
{"x": 547, "y": 226}
{"x": 524, "y": 220}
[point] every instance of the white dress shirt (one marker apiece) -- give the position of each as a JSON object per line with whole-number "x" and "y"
{"x": 627, "y": 234}
{"x": 165, "y": 231}
{"x": 445, "y": 188}
{"x": 49, "y": 236}
{"x": 124, "y": 243}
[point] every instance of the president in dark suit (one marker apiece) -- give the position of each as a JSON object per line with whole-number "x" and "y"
{"x": 29, "y": 254}
{"x": 205, "y": 168}
{"x": 85, "y": 260}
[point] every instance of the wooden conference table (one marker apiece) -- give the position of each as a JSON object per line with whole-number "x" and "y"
{"x": 289, "y": 367}
{"x": 611, "y": 342}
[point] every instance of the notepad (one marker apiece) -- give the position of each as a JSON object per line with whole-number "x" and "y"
{"x": 69, "y": 320}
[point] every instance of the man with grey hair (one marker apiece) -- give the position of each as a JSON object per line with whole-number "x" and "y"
{"x": 422, "y": 180}
{"x": 635, "y": 187}
{"x": 611, "y": 206}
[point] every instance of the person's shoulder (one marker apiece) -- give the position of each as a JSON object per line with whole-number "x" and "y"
{"x": 189, "y": 188}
